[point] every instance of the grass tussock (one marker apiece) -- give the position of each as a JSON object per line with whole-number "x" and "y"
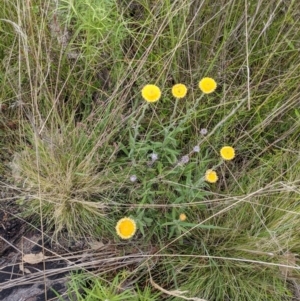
{"x": 84, "y": 147}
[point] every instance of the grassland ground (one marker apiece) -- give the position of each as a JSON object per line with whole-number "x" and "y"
{"x": 149, "y": 150}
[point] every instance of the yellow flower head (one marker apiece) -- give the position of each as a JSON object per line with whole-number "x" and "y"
{"x": 207, "y": 85}
{"x": 227, "y": 153}
{"x": 126, "y": 227}
{"x": 182, "y": 217}
{"x": 211, "y": 176}
{"x": 151, "y": 93}
{"x": 179, "y": 90}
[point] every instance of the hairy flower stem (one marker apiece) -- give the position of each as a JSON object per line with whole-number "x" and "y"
{"x": 190, "y": 112}
{"x": 174, "y": 111}
{"x": 136, "y": 129}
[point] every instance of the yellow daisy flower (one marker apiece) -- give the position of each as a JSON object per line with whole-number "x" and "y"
{"x": 126, "y": 227}
{"x": 151, "y": 93}
{"x": 179, "y": 90}
{"x": 211, "y": 176}
{"x": 227, "y": 153}
{"x": 182, "y": 217}
{"x": 207, "y": 85}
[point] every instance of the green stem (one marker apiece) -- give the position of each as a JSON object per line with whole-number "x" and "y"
{"x": 174, "y": 111}
{"x": 136, "y": 129}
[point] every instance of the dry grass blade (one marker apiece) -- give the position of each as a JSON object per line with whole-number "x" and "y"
{"x": 174, "y": 293}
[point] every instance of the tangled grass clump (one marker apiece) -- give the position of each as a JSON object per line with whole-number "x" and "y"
{"x": 61, "y": 178}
